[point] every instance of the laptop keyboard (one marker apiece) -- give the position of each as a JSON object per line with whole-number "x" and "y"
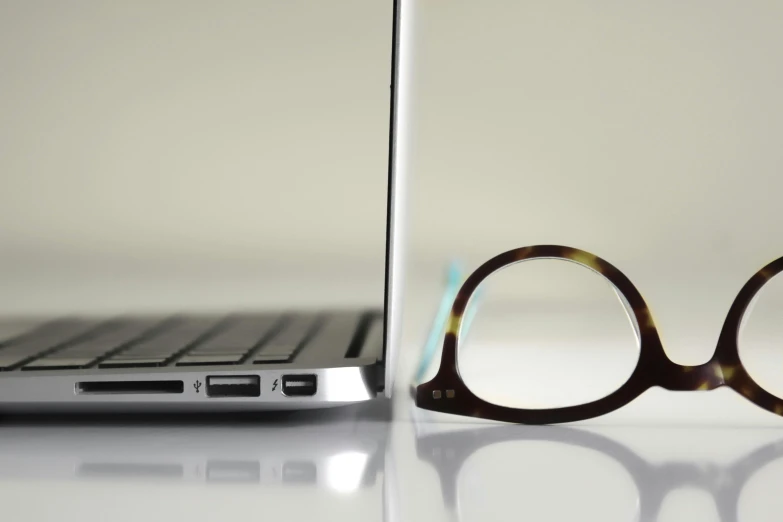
{"x": 82, "y": 353}
{"x": 157, "y": 350}
{"x": 182, "y": 341}
{"x": 43, "y": 340}
{"x": 284, "y": 343}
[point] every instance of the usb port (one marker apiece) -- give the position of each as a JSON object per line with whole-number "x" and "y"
{"x": 299, "y": 385}
{"x": 234, "y": 386}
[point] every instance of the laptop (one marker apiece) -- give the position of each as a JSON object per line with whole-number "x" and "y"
{"x": 290, "y": 109}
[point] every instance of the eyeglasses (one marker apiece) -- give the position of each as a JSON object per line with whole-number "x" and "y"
{"x": 448, "y": 393}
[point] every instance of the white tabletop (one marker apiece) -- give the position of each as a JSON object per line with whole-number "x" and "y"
{"x": 391, "y": 462}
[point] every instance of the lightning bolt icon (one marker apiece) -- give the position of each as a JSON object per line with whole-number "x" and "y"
{"x": 274, "y": 386}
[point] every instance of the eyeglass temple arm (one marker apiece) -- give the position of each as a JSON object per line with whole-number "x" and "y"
{"x": 454, "y": 279}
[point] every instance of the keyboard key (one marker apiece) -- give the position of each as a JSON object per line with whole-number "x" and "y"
{"x": 81, "y": 354}
{"x": 12, "y": 330}
{"x": 59, "y": 363}
{"x": 272, "y": 359}
{"x": 232, "y": 343}
{"x": 197, "y": 360}
{"x": 139, "y": 362}
{"x": 157, "y": 349}
{"x": 332, "y": 339}
{"x": 240, "y": 336}
{"x": 282, "y": 345}
{"x": 373, "y": 340}
{"x": 43, "y": 339}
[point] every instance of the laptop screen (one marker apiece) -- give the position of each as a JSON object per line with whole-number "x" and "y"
{"x": 193, "y": 155}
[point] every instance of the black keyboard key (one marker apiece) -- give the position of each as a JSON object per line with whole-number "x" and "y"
{"x": 14, "y": 330}
{"x": 240, "y": 336}
{"x": 232, "y": 343}
{"x": 59, "y": 363}
{"x": 272, "y": 359}
{"x": 41, "y": 340}
{"x": 284, "y": 343}
{"x": 332, "y": 338}
{"x": 158, "y": 348}
{"x": 82, "y": 353}
{"x": 201, "y": 360}
{"x": 139, "y": 362}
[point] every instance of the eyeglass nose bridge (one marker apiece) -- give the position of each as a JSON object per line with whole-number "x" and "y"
{"x": 701, "y": 377}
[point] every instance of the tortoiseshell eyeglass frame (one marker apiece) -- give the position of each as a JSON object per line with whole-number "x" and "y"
{"x": 447, "y": 392}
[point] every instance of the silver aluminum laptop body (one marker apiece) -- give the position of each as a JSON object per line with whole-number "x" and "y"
{"x": 216, "y": 361}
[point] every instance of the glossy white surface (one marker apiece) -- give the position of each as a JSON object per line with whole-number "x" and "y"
{"x": 392, "y": 464}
